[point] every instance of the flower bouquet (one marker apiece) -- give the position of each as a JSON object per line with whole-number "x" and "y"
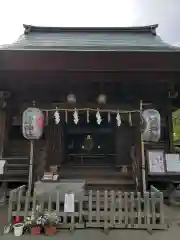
{"x": 35, "y": 228}
{"x": 37, "y": 223}
{"x": 8, "y": 228}
{"x": 50, "y": 226}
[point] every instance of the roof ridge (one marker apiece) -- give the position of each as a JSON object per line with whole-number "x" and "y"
{"x": 136, "y": 29}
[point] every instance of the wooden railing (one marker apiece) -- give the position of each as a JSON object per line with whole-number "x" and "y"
{"x": 100, "y": 209}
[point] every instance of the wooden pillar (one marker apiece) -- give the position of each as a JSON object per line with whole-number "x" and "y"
{"x": 3, "y": 137}
{"x": 3, "y": 187}
{"x": 143, "y": 160}
{"x": 3, "y": 121}
{"x": 55, "y": 144}
{"x": 140, "y": 153}
{"x": 136, "y": 156}
{"x": 3, "y": 131}
{"x": 169, "y": 126}
{"x": 123, "y": 145}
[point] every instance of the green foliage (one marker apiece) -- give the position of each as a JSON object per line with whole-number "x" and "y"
{"x": 176, "y": 126}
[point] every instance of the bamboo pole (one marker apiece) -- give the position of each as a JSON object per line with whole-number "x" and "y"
{"x": 3, "y": 129}
{"x": 31, "y": 166}
{"x": 142, "y": 156}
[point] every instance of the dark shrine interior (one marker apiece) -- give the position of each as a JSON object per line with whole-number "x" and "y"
{"x": 123, "y": 91}
{"x": 110, "y": 145}
{"x": 55, "y": 86}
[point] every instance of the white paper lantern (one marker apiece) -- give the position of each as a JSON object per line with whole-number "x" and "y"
{"x": 102, "y": 99}
{"x": 152, "y": 125}
{"x": 71, "y": 98}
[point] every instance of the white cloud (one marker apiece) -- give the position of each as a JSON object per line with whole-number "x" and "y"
{"x": 94, "y": 13}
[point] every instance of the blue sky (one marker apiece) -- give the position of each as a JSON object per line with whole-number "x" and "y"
{"x": 94, "y": 13}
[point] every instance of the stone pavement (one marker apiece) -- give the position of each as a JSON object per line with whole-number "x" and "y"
{"x": 172, "y": 233}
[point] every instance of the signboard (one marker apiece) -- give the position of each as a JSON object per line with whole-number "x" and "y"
{"x": 156, "y": 161}
{"x": 2, "y": 164}
{"x": 69, "y": 203}
{"x": 172, "y": 163}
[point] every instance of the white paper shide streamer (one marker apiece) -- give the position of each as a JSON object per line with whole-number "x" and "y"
{"x": 57, "y": 117}
{"x": 109, "y": 117}
{"x": 88, "y": 111}
{"x": 76, "y": 117}
{"x": 87, "y": 115}
{"x": 130, "y": 120}
{"x": 118, "y": 119}
{"x": 98, "y": 117}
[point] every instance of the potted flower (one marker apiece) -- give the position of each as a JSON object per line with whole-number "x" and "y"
{"x": 50, "y": 226}
{"x": 8, "y": 228}
{"x": 37, "y": 225}
{"x": 27, "y": 224}
{"x": 35, "y": 228}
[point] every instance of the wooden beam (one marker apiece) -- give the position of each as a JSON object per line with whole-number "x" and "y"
{"x": 90, "y": 60}
{"x": 115, "y": 106}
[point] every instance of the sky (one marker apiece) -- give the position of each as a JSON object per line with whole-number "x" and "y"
{"x": 94, "y": 13}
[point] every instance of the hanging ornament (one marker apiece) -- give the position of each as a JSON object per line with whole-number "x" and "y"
{"x": 87, "y": 115}
{"x": 98, "y": 117}
{"x": 66, "y": 116}
{"x": 130, "y": 120}
{"x": 118, "y": 118}
{"x": 109, "y": 117}
{"x": 57, "y": 116}
{"x": 76, "y": 117}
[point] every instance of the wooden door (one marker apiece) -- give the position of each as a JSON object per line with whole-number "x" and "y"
{"x": 123, "y": 145}
{"x": 55, "y": 142}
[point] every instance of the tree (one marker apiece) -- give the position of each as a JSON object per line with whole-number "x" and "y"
{"x": 176, "y": 126}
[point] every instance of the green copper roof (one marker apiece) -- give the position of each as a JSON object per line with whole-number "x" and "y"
{"x": 85, "y": 39}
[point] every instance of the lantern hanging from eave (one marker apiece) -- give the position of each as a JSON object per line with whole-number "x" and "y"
{"x": 32, "y": 123}
{"x": 152, "y": 125}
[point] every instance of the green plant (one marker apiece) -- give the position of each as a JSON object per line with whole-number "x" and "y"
{"x": 52, "y": 219}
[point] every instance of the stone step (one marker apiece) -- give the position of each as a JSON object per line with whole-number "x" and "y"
{"x": 95, "y": 174}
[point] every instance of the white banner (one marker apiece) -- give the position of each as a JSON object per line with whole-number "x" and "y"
{"x": 173, "y": 163}
{"x": 69, "y": 203}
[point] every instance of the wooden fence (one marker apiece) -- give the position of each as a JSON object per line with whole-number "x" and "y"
{"x": 96, "y": 209}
